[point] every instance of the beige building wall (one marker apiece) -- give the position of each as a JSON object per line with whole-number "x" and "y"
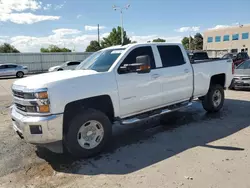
{"x": 239, "y": 44}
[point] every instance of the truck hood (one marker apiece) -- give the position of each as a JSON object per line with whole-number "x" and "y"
{"x": 42, "y": 80}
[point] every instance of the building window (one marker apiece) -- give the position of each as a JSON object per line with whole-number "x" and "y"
{"x": 235, "y": 37}
{"x": 226, "y": 38}
{"x": 217, "y": 39}
{"x": 245, "y": 35}
{"x": 209, "y": 39}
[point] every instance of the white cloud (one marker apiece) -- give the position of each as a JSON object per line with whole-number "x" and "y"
{"x": 92, "y": 28}
{"x": 219, "y": 27}
{"x": 188, "y": 29}
{"x": 26, "y": 18}
{"x": 64, "y": 31}
{"x": 60, "y": 6}
{"x": 72, "y": 39}
{"x": 47, "y": 7}
{"x": 13, "y": 10}
{"x": 78, "y": 16}
{"x": 141, "y": 39}
{"x": 8, "y": 6}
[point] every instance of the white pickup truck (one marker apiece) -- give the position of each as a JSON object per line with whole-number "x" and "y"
{"x": 76, "y": 109}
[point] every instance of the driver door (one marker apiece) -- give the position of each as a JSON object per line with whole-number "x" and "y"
{"x": 138, "y": 92}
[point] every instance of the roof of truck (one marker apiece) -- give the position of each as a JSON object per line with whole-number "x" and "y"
{"x": 139, "y": 44}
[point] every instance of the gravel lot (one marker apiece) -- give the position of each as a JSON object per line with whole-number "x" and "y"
{"x": 193, "y": 149}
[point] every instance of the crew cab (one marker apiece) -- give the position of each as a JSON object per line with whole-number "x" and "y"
{"x": 128, "y": 84}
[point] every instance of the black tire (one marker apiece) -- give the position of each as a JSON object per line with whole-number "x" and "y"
{"x": 208, "y": 101}
{"x": 19, "y": 74}
{"x": 60, "y": 70}
{"x": 71, "y": 137}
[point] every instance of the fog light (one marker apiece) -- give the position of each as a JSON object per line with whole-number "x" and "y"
{"x": 36, "y": 129}
{"x": 43, "y": 108}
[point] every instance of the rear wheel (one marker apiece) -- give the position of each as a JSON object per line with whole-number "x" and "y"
{"x": 19, "y": 74}
{"x": 214, "y": 99}
{"x": 88, "y": 133}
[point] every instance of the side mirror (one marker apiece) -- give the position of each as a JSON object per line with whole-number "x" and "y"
{"x": 142, "y": 65}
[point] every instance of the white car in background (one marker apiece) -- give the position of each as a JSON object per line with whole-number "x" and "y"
{"x": 13, "y": 70}
{"x": 69, "y": 65}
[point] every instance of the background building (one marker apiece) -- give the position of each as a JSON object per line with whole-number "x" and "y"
{"x": 233, "y": 39}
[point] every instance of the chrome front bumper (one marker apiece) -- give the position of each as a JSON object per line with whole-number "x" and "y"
{"x": 52, "y": 127}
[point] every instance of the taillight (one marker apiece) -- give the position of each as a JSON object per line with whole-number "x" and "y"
{"x": 233, "y": 68}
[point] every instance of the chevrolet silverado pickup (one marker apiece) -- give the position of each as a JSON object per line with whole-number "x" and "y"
{"x": 76, "y": 109}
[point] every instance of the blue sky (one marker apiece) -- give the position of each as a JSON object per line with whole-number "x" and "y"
{"x": 30, "y": 24}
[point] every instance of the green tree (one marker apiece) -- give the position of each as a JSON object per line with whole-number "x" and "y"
{"x": 54, "y": 48}
{"x": 198, "y": 41}
{"x": 114, "y": 38}
{"x": 185, "y": 42}
{"x": 133, "y": 42}
{"x": 7, "y": 48}
{"x": 93, "y": 46}
{"x": 159, "y": 40}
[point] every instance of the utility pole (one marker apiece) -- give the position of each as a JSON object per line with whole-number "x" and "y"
{"x": 121, "y": 12}
{"x": 98, "y": 32}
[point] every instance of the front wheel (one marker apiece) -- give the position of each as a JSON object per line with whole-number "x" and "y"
{"x": 214, "y": 99}
{"x": 88, "y": 133}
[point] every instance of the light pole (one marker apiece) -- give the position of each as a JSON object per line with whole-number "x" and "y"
{"x": 121, "y": 11}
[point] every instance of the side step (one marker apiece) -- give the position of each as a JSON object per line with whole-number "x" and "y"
{"x": 153, "y": 114}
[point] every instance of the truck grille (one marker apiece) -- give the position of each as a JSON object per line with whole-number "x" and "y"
{"x": 21, "y": 107}
{"x": 245, "y": 78}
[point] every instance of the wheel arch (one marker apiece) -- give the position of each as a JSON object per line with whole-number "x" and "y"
{"x": 219, "y": 79}
{"x": 102, "y": 103}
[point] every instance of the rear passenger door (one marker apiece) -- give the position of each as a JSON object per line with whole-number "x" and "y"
{"x": 176, "y": 74}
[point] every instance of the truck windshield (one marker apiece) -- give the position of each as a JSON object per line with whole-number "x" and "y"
{"x": 100, "y": 61}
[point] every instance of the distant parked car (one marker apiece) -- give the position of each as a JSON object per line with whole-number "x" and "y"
{"x": 13, "y": 70}
{"x": 69, "y": 65}
{"x": 241, "y": 76}
{"x": 237, "y": 58}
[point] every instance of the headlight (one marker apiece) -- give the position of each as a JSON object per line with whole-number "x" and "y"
{"x": 42, "y": 95}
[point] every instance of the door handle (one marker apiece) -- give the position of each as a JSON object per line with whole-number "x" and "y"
{"x": 186, "y": 70}
{"x": 155, "y": 76}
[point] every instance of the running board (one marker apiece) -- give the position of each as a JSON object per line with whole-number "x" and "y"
{"x": 172, "y": 108}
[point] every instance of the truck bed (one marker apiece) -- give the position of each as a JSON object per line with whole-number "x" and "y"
{"x": 205, "y": 69}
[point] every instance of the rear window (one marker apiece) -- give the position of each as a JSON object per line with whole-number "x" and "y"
{"x": 200, "y": 56}
{"x": 171, "y": 56}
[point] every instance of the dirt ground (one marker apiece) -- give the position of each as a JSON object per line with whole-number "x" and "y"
{"x": 193, "y": 149}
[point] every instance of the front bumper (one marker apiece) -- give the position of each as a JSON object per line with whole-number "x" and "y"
{"x": 51, "y": 127}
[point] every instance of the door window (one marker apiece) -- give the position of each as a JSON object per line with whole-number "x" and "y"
{"x": 11, "y": 66}
{"x": 146, "y": 50}
{"x": 171, "y": 56}
{"x": 73, "y": 63}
